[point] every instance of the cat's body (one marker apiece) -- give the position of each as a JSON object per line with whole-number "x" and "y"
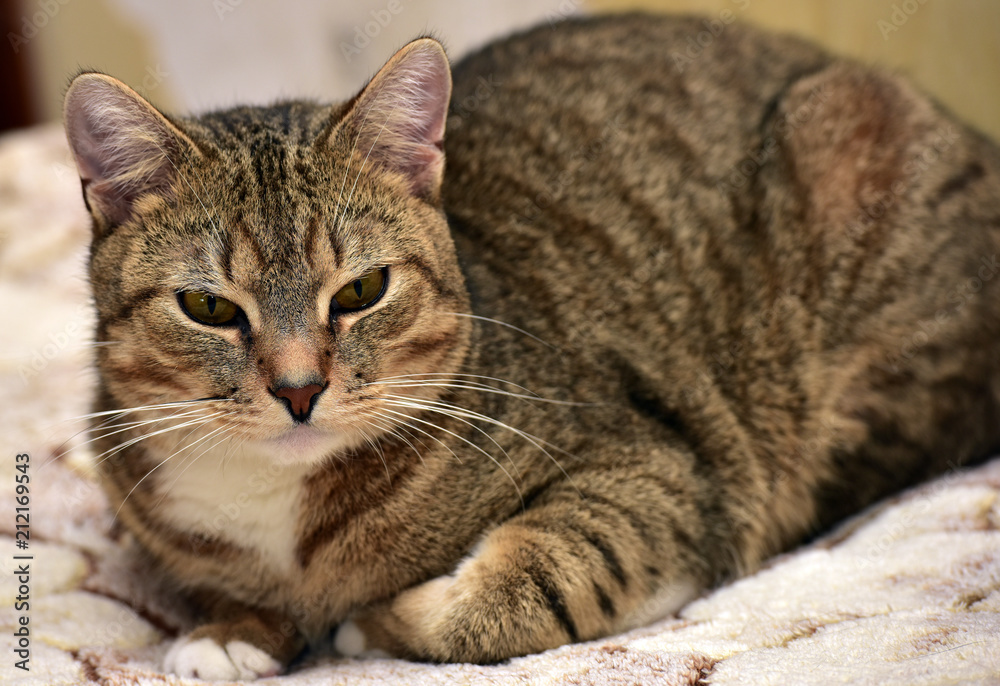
{"x": 757, "y": 285}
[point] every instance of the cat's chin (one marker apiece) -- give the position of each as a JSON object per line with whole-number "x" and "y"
{"x": 302, "y": 445}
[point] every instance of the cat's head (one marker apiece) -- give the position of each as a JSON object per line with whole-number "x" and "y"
{"x": 282, "y": 260}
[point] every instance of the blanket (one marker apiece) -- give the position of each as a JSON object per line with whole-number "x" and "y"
{"x": 906, "y": 592}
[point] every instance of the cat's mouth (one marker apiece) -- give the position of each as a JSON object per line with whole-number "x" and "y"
{"x": 304, "y": 443}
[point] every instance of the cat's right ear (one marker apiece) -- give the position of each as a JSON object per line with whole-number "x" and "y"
{"x": 397, "y": 121}
{"x": 124, "y": 148}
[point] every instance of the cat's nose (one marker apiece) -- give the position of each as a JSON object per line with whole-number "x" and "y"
{"x": 298, "y": 401}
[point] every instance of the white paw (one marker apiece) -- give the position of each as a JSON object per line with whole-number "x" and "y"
{"x": 205, "y": 659}
{"x": 350, "y": 641}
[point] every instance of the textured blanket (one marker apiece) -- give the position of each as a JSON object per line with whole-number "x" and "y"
{"x": 907, "y": 592}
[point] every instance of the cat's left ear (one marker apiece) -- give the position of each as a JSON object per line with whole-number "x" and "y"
{"x": 124, "y": 147}
{"x": 397, "y": 121}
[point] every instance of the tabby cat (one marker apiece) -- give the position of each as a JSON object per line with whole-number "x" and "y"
{"x": 633, "y": 325}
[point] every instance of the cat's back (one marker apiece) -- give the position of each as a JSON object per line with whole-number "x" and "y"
{"x": 584, "y": 153}
{"x": 632, "y": 104}
{"x": 685, "y": 158}
{"x": 724, "y": 219}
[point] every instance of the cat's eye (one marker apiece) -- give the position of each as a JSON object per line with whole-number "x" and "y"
{"x": 209, "y": 309}
{"x": 361, "y": 292}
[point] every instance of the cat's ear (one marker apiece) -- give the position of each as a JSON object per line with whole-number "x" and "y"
{"x": 124, "y": 148}
{"x": 398, "y": 120}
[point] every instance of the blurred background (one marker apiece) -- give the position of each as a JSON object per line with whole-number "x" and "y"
{"x": 197, "y": 54}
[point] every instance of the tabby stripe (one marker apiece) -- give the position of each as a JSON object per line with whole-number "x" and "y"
{"x": 542, "y": 580}
{"x": 418, "y": 264}
{"x": 649, "y": 403}
{"x": 604, "y": 601}
{"x": 391, "y": 323}
{"x": 286, "y": 120}
{"x": 972, "y": 172}
{"x": 312, "y": 229}
{"x": 611, "y": 561}
{"x": 350, "y": 502}
{"x": 337, "y": 247}
{"x": 687, "y": 544}
{"x": 134, "y": 302}
{"x": 226, "y": 257}
{"x": 251, "y": 240}
{"x": 631, "y": 518}
{"x": 422, "y": 347}
{"x": 132, "y": 375}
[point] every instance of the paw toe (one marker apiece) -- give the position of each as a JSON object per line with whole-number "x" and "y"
{"x": 203, "y": 658}
{"x": 351, "y": 641}
{"x": 251, "y": 661}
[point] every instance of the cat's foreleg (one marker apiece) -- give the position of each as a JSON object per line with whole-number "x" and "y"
{"x": 571, "y": 570}
{"x": 241, "y": 643}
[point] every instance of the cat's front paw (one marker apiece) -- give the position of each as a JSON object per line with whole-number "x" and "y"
{"x": 353, "y": 641}
{"x": 203, "y": 658}
{"x": 404, "y": 627}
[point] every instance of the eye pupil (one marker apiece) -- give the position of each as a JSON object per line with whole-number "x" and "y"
{"x": 208, "y": 309}
{"x": 360, "y": 292}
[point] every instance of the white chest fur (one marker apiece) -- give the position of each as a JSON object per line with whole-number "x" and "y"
{"x": 238, "y": 496}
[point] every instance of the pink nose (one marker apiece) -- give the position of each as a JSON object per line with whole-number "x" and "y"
{"x": 299, "y": 401}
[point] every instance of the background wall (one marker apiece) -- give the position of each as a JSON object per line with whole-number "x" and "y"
{"x": 950, "y": 47}
{"x": 195, "y": 54}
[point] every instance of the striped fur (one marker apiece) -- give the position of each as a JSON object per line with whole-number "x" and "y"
{"x": 645, "y": 325}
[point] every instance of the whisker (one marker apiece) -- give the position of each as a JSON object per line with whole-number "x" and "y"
{"x": 471, "y": 444}
{"x": 120, "y": 427}
{"x": 377, "y": 448}
{"x": 395, "y": 426}
{"x": 483, "y": 388}
{"x": 386, "y": 426}
{"x": 145, "y": 408}
{"x": 227, "y": 430}
{"x": 504, "y": 324}
{"x": 365, "y": 162}
{"x": 487, "y": 435}
{"x": 163, "y": 462}
{"x": 431, "y": 376}
{"x": 394, "y": 421}
{"x": 450, "y": 410}
{"x": 124, "y": 446}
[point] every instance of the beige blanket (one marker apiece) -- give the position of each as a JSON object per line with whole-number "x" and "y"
{"x": 907, "y": 593}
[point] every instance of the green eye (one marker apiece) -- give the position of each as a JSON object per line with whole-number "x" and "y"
{"x": 361, "y": 292}
{"x": 209, "y": 309}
